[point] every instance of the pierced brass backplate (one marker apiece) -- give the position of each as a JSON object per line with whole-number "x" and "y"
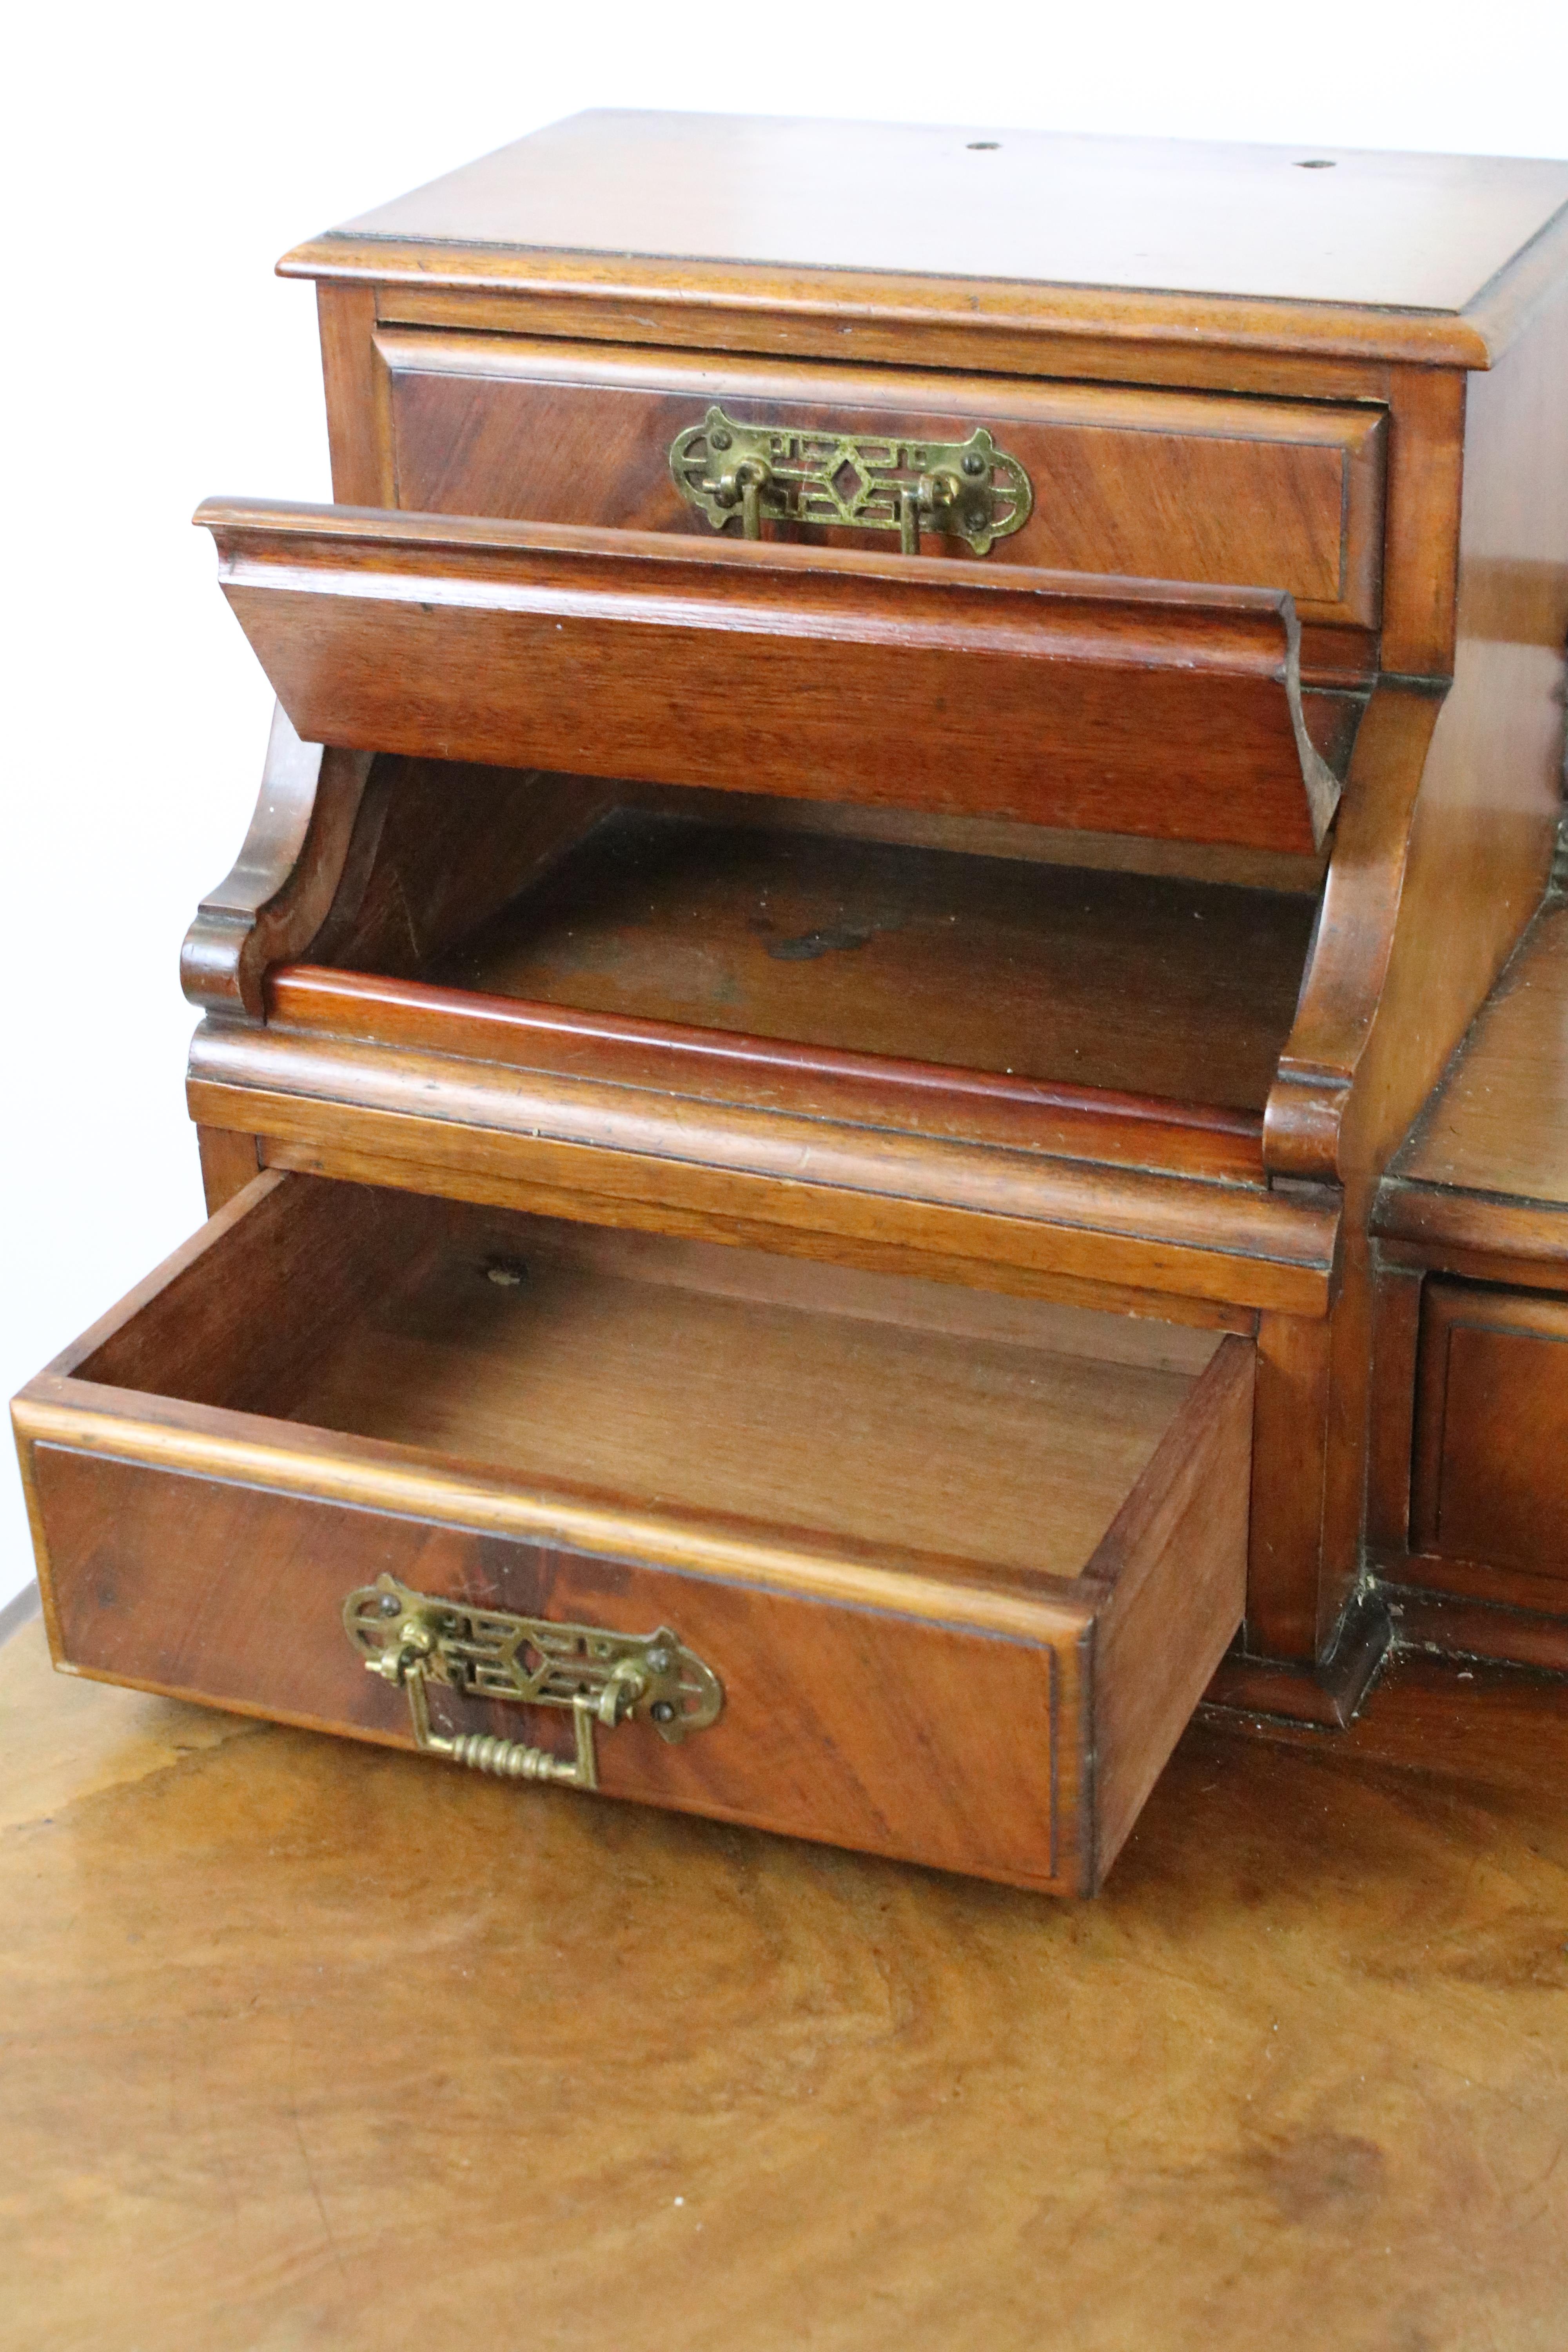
{"x": 960, "y": 490}
{"x": 412, "y": 1639}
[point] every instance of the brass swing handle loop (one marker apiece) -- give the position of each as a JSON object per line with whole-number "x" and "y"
{"x": 482, "y": 1751}
{"x": 412, "y": 1639}
{"x": 962, "y": 489}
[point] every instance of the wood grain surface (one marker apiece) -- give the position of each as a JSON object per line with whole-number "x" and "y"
{"x": 1499, "y": 1123}
{"x": 882, "y": 1731}
{"x": 963, "y": 1571}
{"x": 574, "y": 1147}
{"x": 1484, "y": 830}
{"x": 1137, "y": 984}
{"x": 1491, "y": 1460}
{"x": 326, "y": 2048}
{"x": 1144, "y": 485}
{"x": 1375, "y": 253}
{"x": 959, "y": 1103}
{"x": 1141, "y": 706}
{"x": 1431, "y": 889}
{"x": 471, "y": 325}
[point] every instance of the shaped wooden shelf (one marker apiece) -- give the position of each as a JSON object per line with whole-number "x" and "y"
{"x": 1141, "y": 706}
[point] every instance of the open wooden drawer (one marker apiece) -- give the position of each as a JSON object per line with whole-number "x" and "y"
{"x": 873, "y": 1560}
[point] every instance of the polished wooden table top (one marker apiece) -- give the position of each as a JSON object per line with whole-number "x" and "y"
{"x": 315, "y": 2045}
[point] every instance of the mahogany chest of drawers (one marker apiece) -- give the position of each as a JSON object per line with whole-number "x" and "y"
{"x": 901, "y": 764}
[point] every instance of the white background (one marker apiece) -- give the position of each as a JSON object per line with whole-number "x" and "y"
{"x": 160, "y": 159}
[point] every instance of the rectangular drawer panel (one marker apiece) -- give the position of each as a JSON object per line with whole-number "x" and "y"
{"x": 1148, "y": 484}
{"x": 857, "y": 1726}
{"x": 961, "y": 1566}
{"x": 1491, "y": 1437}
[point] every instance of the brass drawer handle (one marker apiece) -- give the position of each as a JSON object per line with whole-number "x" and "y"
{"x": 960, "y": 489}
{"x": 412, "y": 1639}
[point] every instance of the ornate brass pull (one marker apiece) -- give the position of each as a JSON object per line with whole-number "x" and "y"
{"x": 960, "y": 489}
{"x": 412, "y": 1639}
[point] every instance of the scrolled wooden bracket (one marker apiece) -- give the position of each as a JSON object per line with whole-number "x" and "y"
{"x": 274, "y": 899}
{"x": 1315, "y": 1097}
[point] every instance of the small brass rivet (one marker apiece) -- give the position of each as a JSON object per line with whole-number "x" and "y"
{"x": 660, "y": 1661}
{"x": 390, "y": 1605}
{"x": 662, "y": 1711}
{"x": 973, "y": 462}
{"x": 718, "y": 440}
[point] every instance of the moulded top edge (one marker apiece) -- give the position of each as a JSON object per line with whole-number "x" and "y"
{"x": 1415, "y": 257}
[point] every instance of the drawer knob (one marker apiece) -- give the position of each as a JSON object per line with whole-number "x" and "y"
{"x": 959, "y": 489}
{"x": 413, "y": 1639}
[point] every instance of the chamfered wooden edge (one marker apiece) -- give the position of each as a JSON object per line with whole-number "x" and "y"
{"x": 870, "y": 1246}
{"x": 366, "y": 1473}
{"x": 876, "y": 1090}
{"x": 1457, "y": 1231}
{"x": 1452, "y": 1625}
{"x": 436, "y": 1119}
{"x": 1471, "y": 337}
{"x": 1245, "y": 629}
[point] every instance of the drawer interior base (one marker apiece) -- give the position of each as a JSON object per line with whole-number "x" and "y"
{"x": 689, "y": 1377}
{"x": 1144, "y": 984}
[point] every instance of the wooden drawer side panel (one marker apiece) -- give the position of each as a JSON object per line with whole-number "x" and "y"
{"x": 1177, "y": 1553}
{"x": 925, "y": 1742}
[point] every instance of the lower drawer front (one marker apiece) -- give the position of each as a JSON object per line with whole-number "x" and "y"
{"x": 252, "y": 1441}
{"x": 854, "y": 1726}
{"x": 1491, "y": 1453}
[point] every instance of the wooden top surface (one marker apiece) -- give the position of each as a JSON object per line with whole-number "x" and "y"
{"x": 1297, "y": 225}
{"x": 320, "y": 2046}
{"x": 1499, "y": 1123}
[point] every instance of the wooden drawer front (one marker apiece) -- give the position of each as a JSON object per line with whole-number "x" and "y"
{"x": 1491, "y": 1438}
{"x": 1152, "y": 485}
{"x": 328, "y": 1386}
{"x": 185, "y": 1583}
